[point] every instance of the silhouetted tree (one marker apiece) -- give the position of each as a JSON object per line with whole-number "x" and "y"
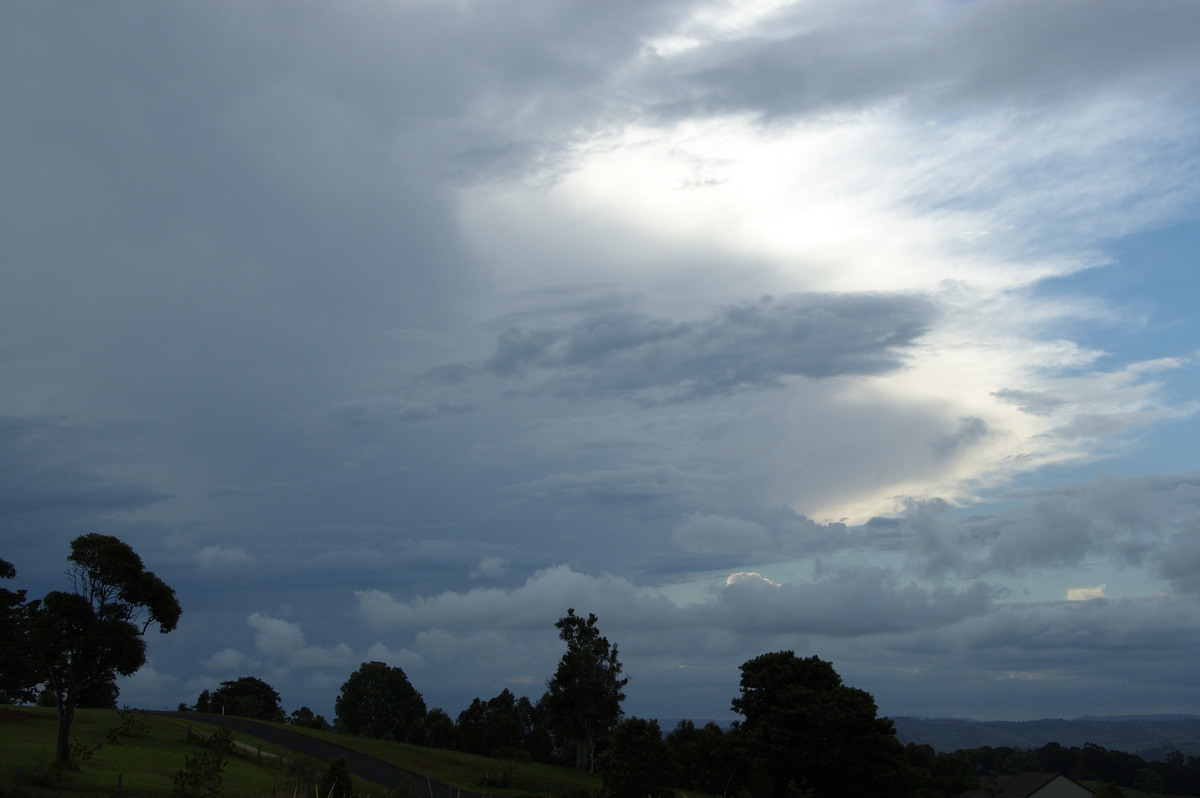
{"x": 635, "y": 761}
{"x": 88, "y": 636}
{"x": 18, "y": 674}
{"x": 700, "y": 757}
{"x": 805, "y": 730}
{"x": 439, "y": 731}
{"x": 247, "y": 697}
{"x": 584, "y": 697}
{"x": 378, "y": 700}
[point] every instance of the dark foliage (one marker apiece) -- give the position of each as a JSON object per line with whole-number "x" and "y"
{"x": 18, "y": 676}
{"x": 247, "y": 697}
{"x": 502, "y": 724}
{"x": 701, "y": 758}
{"x": 584, "y": 698}
{"x": 1177, "y": 775}
{"x": 79, "y": 641}
{"x": 806, "y": 731}
{"x": 379, "y": 700}
{"x": 336, "y": 783}
{"x": 635, "y": 761}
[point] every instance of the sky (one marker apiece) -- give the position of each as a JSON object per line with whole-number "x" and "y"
{"x": 390, "y": 330}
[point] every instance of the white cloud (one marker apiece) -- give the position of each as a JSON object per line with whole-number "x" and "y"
{"x": 1086, "y": 593}
{"x": 490, "y": 567}
{"x": 226, "y": 660}
{"x": 752, "y": 578}
{"x": 283, "y": 641}
{"x": 404, "y": 658}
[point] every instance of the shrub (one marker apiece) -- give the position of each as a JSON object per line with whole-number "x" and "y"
{"x": 336, "y": 782}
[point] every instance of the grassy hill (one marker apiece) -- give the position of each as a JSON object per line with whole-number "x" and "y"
{"x": 141, "y": 762}
{"x": 145, "y": 763}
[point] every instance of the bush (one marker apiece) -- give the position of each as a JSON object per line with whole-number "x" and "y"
{"x": 200, "y": 776}
{"x": 336, "y": 783}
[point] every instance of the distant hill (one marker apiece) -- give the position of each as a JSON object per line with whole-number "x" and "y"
{"x": 1148, "y": 736}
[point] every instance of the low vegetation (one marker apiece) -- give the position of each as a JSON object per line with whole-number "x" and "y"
{"x": 160, "y": 758}
{"x": 134, "y": 755}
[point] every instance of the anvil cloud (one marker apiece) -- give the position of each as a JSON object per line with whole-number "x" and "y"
{"x": 392, "y": 330}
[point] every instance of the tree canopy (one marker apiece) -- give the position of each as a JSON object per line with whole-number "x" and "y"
{"x": 804, "y": 730}
{"x": 82, "y": 639}
{"x": 378, "y": 700}
{"x": 584, "y": 698}
{"x": 247, "y": 697}
{"x": 636, "y": 761}
{"x": 18, "y": 676}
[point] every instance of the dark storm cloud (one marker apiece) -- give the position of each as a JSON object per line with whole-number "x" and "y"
{"x": 48, "y": 474}
{"x": 749, "y": 346}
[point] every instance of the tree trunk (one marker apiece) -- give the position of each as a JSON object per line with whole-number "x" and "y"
{"x": 585, "y": 745}
{"x": 66, "y": 714}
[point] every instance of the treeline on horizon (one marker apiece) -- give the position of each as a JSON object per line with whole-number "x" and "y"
{"x": 1152, "y": 737}
{"x": 709, "y": 758}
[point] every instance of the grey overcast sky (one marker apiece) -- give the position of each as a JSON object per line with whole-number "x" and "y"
{"x": 389, "y": 330}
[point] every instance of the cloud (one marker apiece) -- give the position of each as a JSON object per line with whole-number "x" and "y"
{"x": 227, "y": 660}
{"x": 711, "y": 533}
{"x": 53, "y": 468}
{"x": 490, "y": 567}
{"x": 1132, "y": 521}
{"x": 527, "y": 306}
{"x": 221, "y": 558}
{"x": 404, "y": 658}
{"x": 751, "y": 578}
{"x": 1086, "y": 593}
{"x": 751, "y": 346}
{"x": 849, "y": 602}
{"x": 283, "y": 642}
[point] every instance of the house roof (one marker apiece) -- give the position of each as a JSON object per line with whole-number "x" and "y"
{"x": 1021, "y": 785}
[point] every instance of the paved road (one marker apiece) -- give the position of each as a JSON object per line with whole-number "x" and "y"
{"x": 361, "y": 765}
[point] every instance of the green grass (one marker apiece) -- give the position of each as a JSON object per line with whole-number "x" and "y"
{"x": 143, "y": 766}
{"x": 146, "y": 765}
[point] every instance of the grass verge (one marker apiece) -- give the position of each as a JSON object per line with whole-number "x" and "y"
{"x": 138, "y": 766}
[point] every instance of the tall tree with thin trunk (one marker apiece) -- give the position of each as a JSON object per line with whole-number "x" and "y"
{"x": 91, "y": 634}
{"x": 584, "y": 697}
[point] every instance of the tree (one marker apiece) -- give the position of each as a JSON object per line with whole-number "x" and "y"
{"x": 100, "y": 694}
{"x": 584, "y": 697}
{"x": 18, "y": 676}
{"x": 378, "y": 700}
{"x": 805, "y": 731}
{"x": 306, "y": 718}
{"x": 700, "y": 757}
{"x": 492, "y": 724}
{"x": 438, "y": 731}
{"x": 635, "y": 761}
{"x": 86, "y": 637}
{"x": 247, "y": 697}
